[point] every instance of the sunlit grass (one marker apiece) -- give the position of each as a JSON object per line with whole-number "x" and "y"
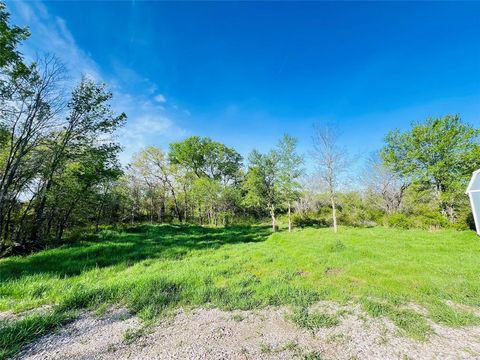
{"x": 152, "y": 269}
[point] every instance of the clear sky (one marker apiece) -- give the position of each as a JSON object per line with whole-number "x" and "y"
{"x": 245, "y": 73}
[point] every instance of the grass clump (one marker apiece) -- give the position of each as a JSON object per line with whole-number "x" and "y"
{"x": 444, "y": 314}
{"x": 312, "y": 355}
{"x": 265, "y": 349}
{"x": 15, "y": 334}
{"x": 131, "y": 335}
{"x": 410, "y": 322}
{"x": 313, "y": 320}
{"x": 336, "y": 246}
{"x": 237, "y": 317}
{"x": 291, "y": 345}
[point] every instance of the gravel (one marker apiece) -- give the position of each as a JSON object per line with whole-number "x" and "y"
{"x": 263, "y": 334}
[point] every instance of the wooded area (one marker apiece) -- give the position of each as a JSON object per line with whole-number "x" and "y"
{"x": 60, "y": 171}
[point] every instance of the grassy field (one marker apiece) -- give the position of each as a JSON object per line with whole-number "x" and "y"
{"x": 152, "y": 269}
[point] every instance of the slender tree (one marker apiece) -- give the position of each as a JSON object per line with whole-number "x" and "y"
{"x": 28, "y": 117}
{"x": 382, "y": 185}
{"x": 262, "y": 183}
{"x": 290, "y": 171}
{"x": 159, "y": 175}
{"x": 90, "y": 118}
{"x": 331, "y": 162}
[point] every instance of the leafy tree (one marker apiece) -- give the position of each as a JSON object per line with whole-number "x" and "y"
{"x": 28, "y": 115}
{"x": 78, "y": 190}
{"x": 90, "y": 118}
{"x": 159, "y": 176}
{"x": 205, "y": 157}
{"x": 439, "y": 154}
{"x": 290, "y": 171}
{"x": 11, "y": 61}
{"x": 206, "y": 195}
{"x": 262, "y": 183}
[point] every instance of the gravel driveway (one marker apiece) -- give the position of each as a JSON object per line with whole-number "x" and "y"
{"x": 264, "y": 334}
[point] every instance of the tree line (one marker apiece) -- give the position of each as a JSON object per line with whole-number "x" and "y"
{"x": 57, "y": 157}
{"x": 59, "y": 168}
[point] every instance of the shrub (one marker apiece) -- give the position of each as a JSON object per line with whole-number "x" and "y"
{"x": 307, "y": 221}
{"x": 430, "y": 220}
{"x": 398, "y": 220}
{"x": 314, "y": 320}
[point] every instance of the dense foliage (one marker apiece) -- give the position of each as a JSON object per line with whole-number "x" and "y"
{"x": 56, "y": 156}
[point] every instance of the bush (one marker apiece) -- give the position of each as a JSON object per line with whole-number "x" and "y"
{"x": 398, "y": 220}
{"x": 430, "y": 221}
{"x": 427, "y": 220}
{"x": 306, "y": 221}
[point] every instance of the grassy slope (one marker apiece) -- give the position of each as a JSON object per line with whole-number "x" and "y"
{"x": 153, "y": 268}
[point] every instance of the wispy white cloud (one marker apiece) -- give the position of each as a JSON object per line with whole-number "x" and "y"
{"x": 149, "y": 122}
{"x": 145, "y": 131}
{"x": 50, "y": 34}
{"x": 160, "y": 98}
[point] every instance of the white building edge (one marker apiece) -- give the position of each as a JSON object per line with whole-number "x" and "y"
{"x": 473, "y": 191}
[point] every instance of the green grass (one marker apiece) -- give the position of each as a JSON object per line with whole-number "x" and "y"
{"x": 15, "y": 334}
{"x": 130, "y": 335}
{"x": 314, "y": 320}
{"x": 152, "y": 269}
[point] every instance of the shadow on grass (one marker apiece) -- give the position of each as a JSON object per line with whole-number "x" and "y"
{"x": 127, "y": 247}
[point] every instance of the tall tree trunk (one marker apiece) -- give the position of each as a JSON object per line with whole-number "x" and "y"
{"x": 289, "y": 218}
{"x": 98, "y": 215}
{"x": 63, "y": 222}
{"x": 334, "y": 214}
{"x": 7, "y": 223}
{"x": 175, "y": 204}
{"x": 161, "y": 210}
{"x": 272, "y": 214}
{"x": 151, "y": 209}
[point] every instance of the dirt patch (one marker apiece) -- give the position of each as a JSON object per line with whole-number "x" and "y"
{"x": 8, "y": 315}
{"x": 462, "y": 307}
{"x": 261, "y": 334}
{"x": 302, "y": 273}
{"x": 334, "y": 271}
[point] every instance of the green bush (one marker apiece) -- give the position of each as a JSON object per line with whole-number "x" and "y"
{"x": 424, "y": 219}
{"x": 430, "y": 220}
{"x": 398, "y": 220}
{"x": 307, "y": 221}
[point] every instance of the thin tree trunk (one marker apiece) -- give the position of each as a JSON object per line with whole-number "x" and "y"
{"x": 151, "y": 209}
{"x": 334, "y": 214}
{"x": 289, "y": 218}
{"x": 272, "y": 213}
{"x": 98, "y": 215}
{"x": 7, "y": 224}
{"x": 161, "y": 209}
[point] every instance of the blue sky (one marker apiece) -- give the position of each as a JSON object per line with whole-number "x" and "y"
{"x": 245, "y": 73}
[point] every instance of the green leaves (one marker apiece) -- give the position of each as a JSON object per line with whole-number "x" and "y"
{"x": 205, "y": 157}
{"x": 439, "y": 154}
{"x": 289, "y": 167}
{"x": 10, "y": 38}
